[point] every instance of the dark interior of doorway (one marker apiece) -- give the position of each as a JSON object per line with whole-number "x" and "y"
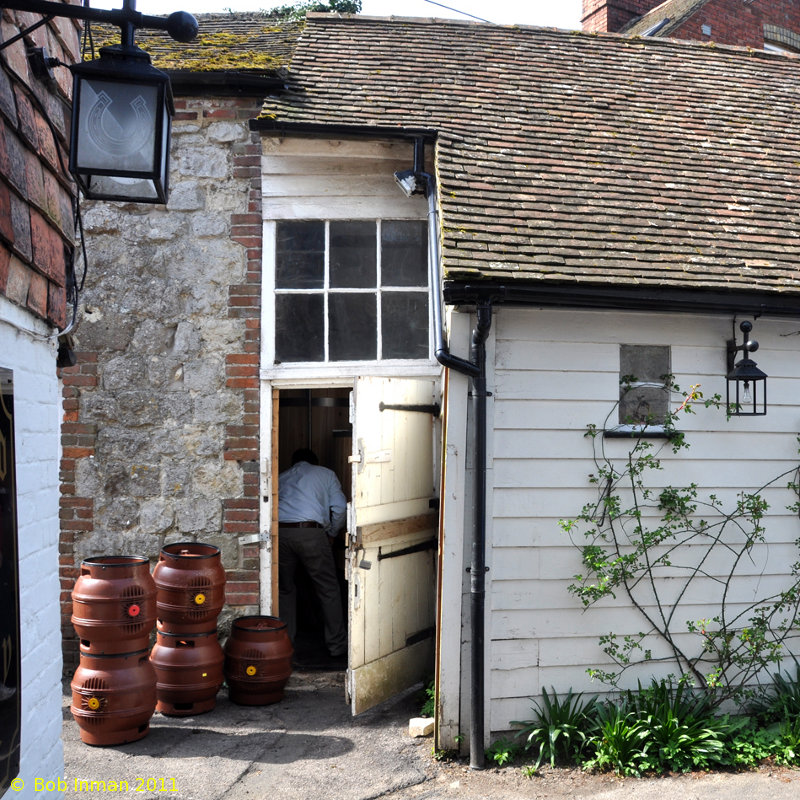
{"x": 320, "y": 420}
{"x": 10, "y": 664}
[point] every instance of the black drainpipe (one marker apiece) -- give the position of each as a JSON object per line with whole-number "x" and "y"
{"x": 476, "y": 371}
{"x": 478, "y": 565}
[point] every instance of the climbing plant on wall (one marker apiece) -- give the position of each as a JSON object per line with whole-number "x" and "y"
{"x": 664, "y": 546}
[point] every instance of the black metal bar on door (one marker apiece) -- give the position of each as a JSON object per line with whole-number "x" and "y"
{"x": 434, "y": 408}
{"x": 414, "y": 548}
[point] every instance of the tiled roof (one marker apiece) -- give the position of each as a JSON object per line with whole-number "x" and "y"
{"x": 570, "y": 157}
{"x": 249, "y": 42}
{"x": 675, "y": 11}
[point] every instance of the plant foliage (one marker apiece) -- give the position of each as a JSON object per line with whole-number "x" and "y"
{"x": 560, "y": 727}
{"x": 298, "y": 10}
{"x": 667, "y": 726}
{"x": 653, "y": 544}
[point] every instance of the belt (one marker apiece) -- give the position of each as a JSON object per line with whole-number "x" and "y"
{"x": 306, "y": 524}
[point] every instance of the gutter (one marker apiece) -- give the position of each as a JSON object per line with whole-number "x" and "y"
{"x": 275, "y": 127}
{"x": 226, "y": 83}
{"x": 640, "y": 298}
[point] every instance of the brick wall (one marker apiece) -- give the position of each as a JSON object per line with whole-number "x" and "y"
{"x": 36, "y": 217}
{"x": 30, "y": 357}
{"x": 36, "y": 225}
{"x": 161, "y": 412}
{"x": 739, "y": 23}
{"x": 736, "y": 22}
{"x": 611, "y": 15}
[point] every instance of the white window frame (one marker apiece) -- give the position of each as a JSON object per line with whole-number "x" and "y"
{"x": 329, "y": 369}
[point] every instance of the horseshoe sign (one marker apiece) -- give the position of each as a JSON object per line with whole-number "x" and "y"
{"x": 119, "y": 133}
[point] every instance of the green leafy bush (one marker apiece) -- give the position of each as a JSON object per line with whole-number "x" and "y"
{"x": 429, "y": 704}
{"x": 621, "y": 742}
{"x": 668, "y": 726}
{"x": 682, "y": 732}
{"x": 560, "y": 728}
{"x": 782, "y": 699}
{"x": 502, "y": 752}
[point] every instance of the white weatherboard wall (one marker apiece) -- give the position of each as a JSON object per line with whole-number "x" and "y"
{"x": 26, "y": 351}
{"x": 553, "y": 373}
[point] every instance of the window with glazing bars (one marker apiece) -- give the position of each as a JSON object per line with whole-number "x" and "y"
{"x": 351, "y": 290}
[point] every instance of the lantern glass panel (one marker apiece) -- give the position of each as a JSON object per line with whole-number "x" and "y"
{"x": 141, "y": 189}
{"x": 116, "y": 126}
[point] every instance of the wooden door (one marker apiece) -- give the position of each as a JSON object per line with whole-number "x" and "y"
{"x": 392, "y": 537}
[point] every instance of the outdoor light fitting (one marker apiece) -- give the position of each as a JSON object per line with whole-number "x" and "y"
{"x": 746, "y": 392}
{"x": 407, "y": 181}
{"x": 121, "y": 121}
{"x": 121, "y": 105}
{"x": 414, "y": 181}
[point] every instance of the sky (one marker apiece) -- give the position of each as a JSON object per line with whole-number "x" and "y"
{"x": 545, "y": 13}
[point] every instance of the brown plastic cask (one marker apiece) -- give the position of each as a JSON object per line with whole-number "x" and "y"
{"x": 258, "y": 660}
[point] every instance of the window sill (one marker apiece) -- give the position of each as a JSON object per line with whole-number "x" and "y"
{"x": 639, "y": 432}
{"x": 350, "y": 370}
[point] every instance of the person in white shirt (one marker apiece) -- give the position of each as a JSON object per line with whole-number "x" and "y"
{"x": 312, "y": 510}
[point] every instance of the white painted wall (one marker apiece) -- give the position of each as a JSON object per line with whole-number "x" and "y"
{"x": 31, "y": 356}
{"x": 553, "y": 373}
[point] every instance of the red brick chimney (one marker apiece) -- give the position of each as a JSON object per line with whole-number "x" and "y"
{"x": 609, "y": 16}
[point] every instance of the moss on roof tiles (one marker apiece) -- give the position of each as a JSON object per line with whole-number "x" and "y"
{"x": 252, "y": 42}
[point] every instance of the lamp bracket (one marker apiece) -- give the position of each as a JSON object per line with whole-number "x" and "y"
{"x": 179, "y": 25}
{"x": 42, "y": 64}
{"x": 747, "y": 346}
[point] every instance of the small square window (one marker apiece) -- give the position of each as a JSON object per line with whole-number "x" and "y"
{"x": 644, "y": 384}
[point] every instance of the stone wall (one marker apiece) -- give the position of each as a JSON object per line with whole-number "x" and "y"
{"x": 161, "y": 412}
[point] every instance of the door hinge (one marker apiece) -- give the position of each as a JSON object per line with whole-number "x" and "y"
{"x": 435, "y": 409}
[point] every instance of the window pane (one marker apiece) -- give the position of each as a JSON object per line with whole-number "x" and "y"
{"x": 353, "y": 326}
{"x": 404, "y": 253}
{"x": 300, "y": 255}
{"x": 404, "y": 324}
{"x": 299, "y": 327}
{"x": 353, "y": 260}
{"x": 643, "y": 405}
{"x": 644, "y": 363}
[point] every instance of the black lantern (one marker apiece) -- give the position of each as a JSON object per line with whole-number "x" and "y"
{"x": 121, "y": 122}
{"x": 746, "y": 383}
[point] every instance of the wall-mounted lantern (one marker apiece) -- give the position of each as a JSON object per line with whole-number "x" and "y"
{"x": 121, "y": 120}
{"x": 121, "y": 105}
{"x": 746, "y": 393}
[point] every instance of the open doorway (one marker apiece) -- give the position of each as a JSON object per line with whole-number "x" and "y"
{"x": 380, "y": 436}
{"x": 317, "y": 419}
{"x": 10, "y": 666}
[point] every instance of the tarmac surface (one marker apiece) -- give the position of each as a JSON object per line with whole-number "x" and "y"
{"x": 308, "y": 747}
